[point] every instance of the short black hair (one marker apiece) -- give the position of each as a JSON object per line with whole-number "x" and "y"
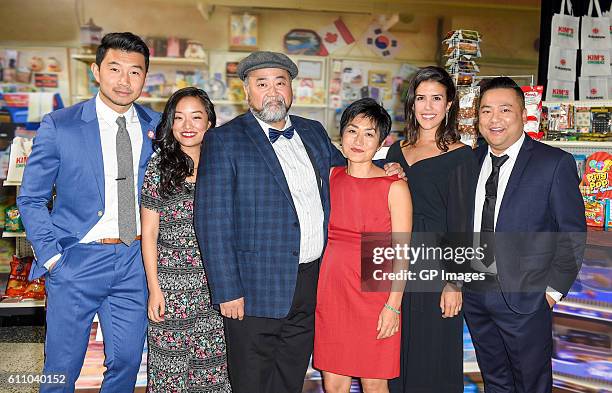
{"x": 126, "y": 41}
{"x": 502, "y": 82}
{"x": 370, "y": 109}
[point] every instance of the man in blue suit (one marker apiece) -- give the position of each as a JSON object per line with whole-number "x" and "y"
{"x": 94, "y": 154}
{"x": 261, "y": 214}
{"x": 527, "y": 195}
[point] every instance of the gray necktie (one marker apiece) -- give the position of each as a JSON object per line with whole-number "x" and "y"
{"x": 125, "y": 184}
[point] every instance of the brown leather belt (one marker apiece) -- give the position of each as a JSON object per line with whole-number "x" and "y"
{"x": 113, "y": 240}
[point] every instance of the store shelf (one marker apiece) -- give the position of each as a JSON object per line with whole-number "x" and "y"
{"x": 598, "y": 237}
{"x": 579, "y": 103}
{"x": 228, "y": 102}
{"x": 16, "y": 303}
{"x": 176, "y": 61}
{"x": 579, "y": 144}
{"x": 143, "y": 100}
{"x": 588, "y": 311}
{"x": 587, "y": 383}
{"x": 13, "y": 234}
{"x": 8, "y": 183}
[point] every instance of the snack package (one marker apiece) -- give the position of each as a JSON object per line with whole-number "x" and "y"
{"x": 560, "y": 117}
{"x": 462, "y": 79}
{"x": 12, "y": 219}
{"x": 580, "y": 164}
{"x": 467, "y": 115}
{"x": 582, "y": 119}
{"x": 35, "y": 289}
{"x": 464, "y": 35}
{"x": 467, "y": 50}
{"x": 533, "y": 105}
{"x": 18, "y": 279}
{"x": 454, "y": 66}
{"x": 594, "y": 211}
{"x": 596, "y": 179}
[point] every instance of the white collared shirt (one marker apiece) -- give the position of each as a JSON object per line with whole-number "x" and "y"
{"x": 108, "y": 226}
{"x": 504, "y": 175}
{"x": 302, "y": 182}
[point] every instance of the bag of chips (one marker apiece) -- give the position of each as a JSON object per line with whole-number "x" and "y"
{"x": 12, "y": 220}
{"x": 35, "y": 289}
{"x": 18, "y": 279}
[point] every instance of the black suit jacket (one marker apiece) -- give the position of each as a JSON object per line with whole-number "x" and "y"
{"x": 541, "y": 226}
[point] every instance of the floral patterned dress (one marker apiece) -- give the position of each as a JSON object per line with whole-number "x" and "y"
{"x": 186, "y": 350}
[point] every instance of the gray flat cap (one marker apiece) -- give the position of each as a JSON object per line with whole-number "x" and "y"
{"x": 263, "y": 59}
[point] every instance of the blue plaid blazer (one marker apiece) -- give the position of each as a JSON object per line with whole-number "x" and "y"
{"x": 245, "y": 220}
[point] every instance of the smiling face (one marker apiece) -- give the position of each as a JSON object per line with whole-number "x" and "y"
{"x": 121, "y": 76}
{"x": 360, "y": 139}
{"x": 190, "y": 123}
{"x": 269, "y": 94}
{"x": 501, "y": 118}
{"x": 430, "y": 105}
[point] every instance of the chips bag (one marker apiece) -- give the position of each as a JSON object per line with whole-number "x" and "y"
{"x": 18, "y": 279}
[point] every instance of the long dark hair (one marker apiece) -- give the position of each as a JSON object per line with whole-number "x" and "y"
{"x": 174, "y": 165}
{"x": 447, "y": 133}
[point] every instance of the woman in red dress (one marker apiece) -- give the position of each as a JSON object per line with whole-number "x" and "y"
{"x": 356, "y": 332}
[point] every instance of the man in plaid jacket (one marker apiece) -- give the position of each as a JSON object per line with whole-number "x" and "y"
{"x": 261, "y": 214}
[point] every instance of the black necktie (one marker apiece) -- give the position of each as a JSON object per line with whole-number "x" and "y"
{"x": 274, "y": 134}
{"x": 487, "y": 224}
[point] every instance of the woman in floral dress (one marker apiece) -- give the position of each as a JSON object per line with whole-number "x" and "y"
{"x": 186, "y": 341}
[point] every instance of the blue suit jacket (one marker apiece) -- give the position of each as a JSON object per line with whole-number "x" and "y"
{"x": 542, "y": 221}
{"x": 245, "y": 220}
{"x": 67, "y": 154}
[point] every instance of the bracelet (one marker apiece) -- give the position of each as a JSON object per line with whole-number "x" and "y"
{"x": 395, "y": 310}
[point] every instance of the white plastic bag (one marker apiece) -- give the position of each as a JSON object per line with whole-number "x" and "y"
{"x": 562, "y": 64}
{"x": 593, "y": 88}
{"x": 564, "y": 31}
{"x": 595, "y": 31}
{"x": 557, "y": 90}
{"x": 595, "y": 62}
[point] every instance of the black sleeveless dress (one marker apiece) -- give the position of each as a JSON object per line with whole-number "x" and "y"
{"x": 432, "y": 346}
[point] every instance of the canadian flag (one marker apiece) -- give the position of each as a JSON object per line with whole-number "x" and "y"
{"x": 334, "y": 37}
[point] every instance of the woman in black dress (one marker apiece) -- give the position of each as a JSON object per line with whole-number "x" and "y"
{"x": 439, "y": 169}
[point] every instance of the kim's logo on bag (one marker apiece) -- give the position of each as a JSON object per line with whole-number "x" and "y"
{"x": 595, "y": 30}
{"x": 596, "y": 59}
{"x": 560, "y": 93}
{"x": 593, "y": 91}
{"x": 563, "y": 62}
{"x": 566, "y": 31}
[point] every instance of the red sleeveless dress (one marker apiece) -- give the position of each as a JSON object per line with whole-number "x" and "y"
{"x": 346, "y": 318}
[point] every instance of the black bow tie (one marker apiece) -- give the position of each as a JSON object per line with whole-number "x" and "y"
{"x": 274, "y": 134}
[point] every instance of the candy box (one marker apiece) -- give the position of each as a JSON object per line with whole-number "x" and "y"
{"x": 596, "y": 179}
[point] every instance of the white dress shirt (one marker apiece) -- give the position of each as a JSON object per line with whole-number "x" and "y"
{"x": 504, "y": 175}
{"x": 302, "y": 182}
{"x": 108, "y": 225}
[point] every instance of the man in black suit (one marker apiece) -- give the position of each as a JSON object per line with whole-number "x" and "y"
{"x": 526, "y": 195}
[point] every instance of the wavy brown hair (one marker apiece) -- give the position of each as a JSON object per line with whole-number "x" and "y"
{"x": 447, "y": 133}
{"x": 174, "y": 164}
